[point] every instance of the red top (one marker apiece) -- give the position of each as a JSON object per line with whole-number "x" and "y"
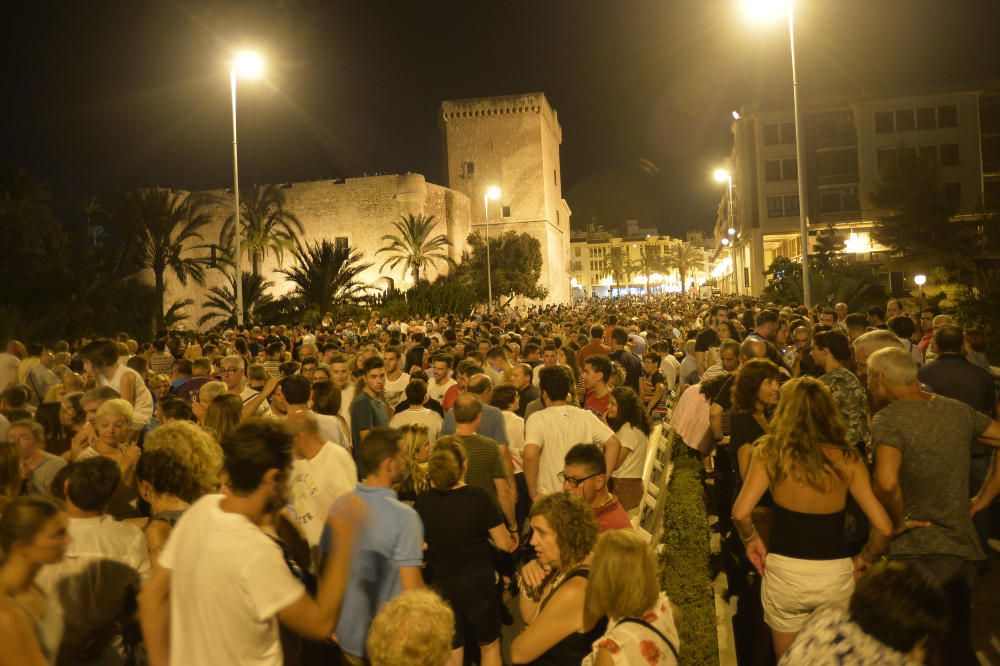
{"x": 612, "y": 516}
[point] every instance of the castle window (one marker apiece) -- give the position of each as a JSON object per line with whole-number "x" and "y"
{"x": 558, "y": 219}
{"x": 468, "y": 169}
{"x": 555, "y": 177}
{"x": 505, "y": 211}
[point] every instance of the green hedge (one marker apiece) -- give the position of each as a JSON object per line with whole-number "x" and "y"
{"x": 684, "y": 560}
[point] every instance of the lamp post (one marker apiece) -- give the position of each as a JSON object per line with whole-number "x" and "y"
{"x": 250, "y": 65}
{"x": 765, "y": 10}
{"x": 492, "y": 192}
{"x": 723, "y": 176}
{"x": 920, "y": 279}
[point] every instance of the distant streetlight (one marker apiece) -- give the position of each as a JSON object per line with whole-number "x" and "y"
{"x": 736, "y": 115}
{"x": 723, "y": 176}
{"x": 492, "y": 192}
{"x": 725, "y": 242}
{"x": 249, "y": 65}
{"x": 920, "y": 279}
{"x": 769, "y": 10}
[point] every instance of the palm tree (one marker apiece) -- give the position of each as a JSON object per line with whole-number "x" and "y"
{"x": 619, "y": 266}
{"x": 221, "y": 301}
{"x": 268, "y": 227}
{"x": 413, "y": 246}
{"x": 684, "y": 257}
{"x": 648, "y": 263}
{"x": 163, "y": 224}
{"x": 27, "y": 224}
{"x": 326, "y": 276}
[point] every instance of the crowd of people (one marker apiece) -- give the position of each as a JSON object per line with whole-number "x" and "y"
{"x": 380, "y": 491}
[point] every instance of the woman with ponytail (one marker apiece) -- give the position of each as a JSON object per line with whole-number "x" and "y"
{"x": 462, "y": 525}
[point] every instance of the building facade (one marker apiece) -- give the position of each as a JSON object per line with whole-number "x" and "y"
{"x": 356, "y": 212}
{"x": 512, "y": 143}
{"x": 847, "y": 139}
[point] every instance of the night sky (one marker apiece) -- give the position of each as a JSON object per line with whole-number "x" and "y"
{"x": 101, "y": 96}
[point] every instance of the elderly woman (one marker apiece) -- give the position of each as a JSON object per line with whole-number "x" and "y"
{"x": 100, "y": 361}
{"x": 196, "y": 449}
{"x": 206, "y": 394}
{"x": 641, "y": 627}
{"x": 39, "y": 466}
{"x": 809, "y": 468}
{"x": 564, "y": 532}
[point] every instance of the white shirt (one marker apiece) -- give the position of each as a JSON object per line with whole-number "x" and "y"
{"x": 436, "y": 391}
{"x": 634, "y": 439}
{"x": 142, "y": 408}
{"x": 670, "y": 368}
{"x": 317, "y": 483}
{"x": 106, "y": 562}
{"x": 423, "y": 416}
{"x": 264, "y": 409}
{"x": 514, "y": 427}
{"x": 395, "y": 389}
{"x": 228, "y": 581}
{"x": 556, "y": 430}
{"x": 346, "y": 398}
{"x": 8, "y": 369}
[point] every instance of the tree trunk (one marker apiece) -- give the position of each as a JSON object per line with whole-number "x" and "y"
{"x": 416, "y": 275}
{"x": 160, "y": 291}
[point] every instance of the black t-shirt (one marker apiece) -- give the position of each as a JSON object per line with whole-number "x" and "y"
{"x": 724, "y": 396}
{"x": 744, "y": 430}
{"x": 707, "y": 339}
{"x": 456, "y": 528}
{"x": 633, "y": 368}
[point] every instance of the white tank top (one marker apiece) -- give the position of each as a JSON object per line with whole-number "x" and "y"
{"x": 142, "y": 409}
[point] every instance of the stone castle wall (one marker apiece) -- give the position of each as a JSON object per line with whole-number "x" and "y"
{"x": 361, "y": 210}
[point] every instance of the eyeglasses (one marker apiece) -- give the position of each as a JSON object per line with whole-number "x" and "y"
{"x": 574, "y": 482}
{"x": 229, "y": 371}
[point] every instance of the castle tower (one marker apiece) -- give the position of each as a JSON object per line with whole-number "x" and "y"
{"x": 512, "y": 142}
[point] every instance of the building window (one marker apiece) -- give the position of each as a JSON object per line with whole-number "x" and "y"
{"x": 774, "y": 208}
{"x": 835, "y": 201}
{"x": 555, "y": 178}
{"x": 558, "y": 218}
{"x": 792, "y": 204}
{"x": 787, "y": 132}
{"x": 884, "y": 157}
{"x": 576, "y": 252}
{"x": 947, "y": 116}
{"x": 505, "y": 211}
{"x": 468, "y": 169}
{"x": 837, "y": 163}
{"x": 884, "y": 123}
{"x": 949, "y": 154}
{"x": 927, "y": 153}
{"x": 925, "y": 118}
{"x": 789, "y": 169}
{"x": 340, "y": 242}
{"x": 772, "y": 135}
{"x": 905, "y": 121}
{"x": 772, "y": 170}
{"x": 953, "y": 192}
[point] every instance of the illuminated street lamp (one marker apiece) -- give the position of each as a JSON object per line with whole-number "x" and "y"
{"x": 249, "y": 65}
{"x": 492, "y": 192}
{"x": 920, "y": 279}
{"x": 723, "y": 176}
{"x": 769, "y": 10}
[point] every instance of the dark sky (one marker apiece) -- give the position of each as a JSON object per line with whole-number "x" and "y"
{"x": 99, "y": 96}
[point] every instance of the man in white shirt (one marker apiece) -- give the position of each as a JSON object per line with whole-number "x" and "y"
{"x": 553, "y": 431}
{"x": 416, "y": 396}
{"x": 233, "y": 372}
{"x": 395, "y": 379}
{"x": 222, "y": 585}
{"x": 441, "y": 381}
{"x": 340, "y": 375}
{"x": 321, "y": 473}
{"x": 106, "y": 563}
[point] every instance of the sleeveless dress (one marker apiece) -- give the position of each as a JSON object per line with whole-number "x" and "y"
{"x": 576, "y": 646}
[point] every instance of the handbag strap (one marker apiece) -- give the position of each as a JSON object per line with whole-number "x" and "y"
{"x": 636, "y": 620}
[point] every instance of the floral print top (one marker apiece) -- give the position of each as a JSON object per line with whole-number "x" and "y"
{"x": 632, "y": 644}
{"x": 852, "y": 399}
{"x": 830, "y": 638}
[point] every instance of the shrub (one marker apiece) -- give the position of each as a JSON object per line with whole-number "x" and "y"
{"x": 684, "y": 561}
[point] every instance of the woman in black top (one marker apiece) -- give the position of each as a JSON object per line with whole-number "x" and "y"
{"x": 460, "y": 522}
{"x": 755, "y": 394}
{"x": 564, "y": 532}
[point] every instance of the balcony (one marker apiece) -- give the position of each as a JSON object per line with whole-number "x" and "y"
{"x": 839, "y": 141}
{"x": 838, "y": 179}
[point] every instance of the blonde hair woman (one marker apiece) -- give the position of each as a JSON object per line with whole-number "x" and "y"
{"x": 114, "y": 428}
{"x": 641, "y": 628}
{"x": 809, "y": 468}
{"x": 195, "y": 448}
{"x": 223, "y": 415}
{"x": 417, "y": 444}
{"x": 414, "y": 629}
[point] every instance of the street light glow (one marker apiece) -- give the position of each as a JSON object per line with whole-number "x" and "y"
{"x": 248, "y": 64}
{"x": 720, "y": 175}
{"x": 492, "y": 192}
{"x": 919, "y": 280}
{"x": 736, "y": 115}
{"x": 731, "y": 231}
{"x": 725, "y": 241}
{"x": 765, "y": 11}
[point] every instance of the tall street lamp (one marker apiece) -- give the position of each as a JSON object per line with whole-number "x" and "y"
{"x": 920, "y": 280}
{"x": 492, "y": 192}
{"x": 723, "y": 176}
{"x": 249, "y": 65}
{"x": 763, "y": 10}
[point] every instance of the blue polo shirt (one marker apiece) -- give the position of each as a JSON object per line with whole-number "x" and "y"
{"x": 492, "y": 425}
{"x": 391, "y": 537}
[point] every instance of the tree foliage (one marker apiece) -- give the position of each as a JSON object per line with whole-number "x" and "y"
{"x": 414, "y": 246}
{"x": 325, "y": 277}
{"x": 854, "y": 284}
{"x": 978, "y": 306}
{"x": 516, "y": 267}
{"x": 268, "y": 227}
{"x": 684, "y": 258}
{"x": 918, "y": 227}
{"x": 220, "y": 303}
